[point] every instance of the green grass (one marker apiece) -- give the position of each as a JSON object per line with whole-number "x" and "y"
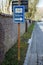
{"x": 11, "y": 57}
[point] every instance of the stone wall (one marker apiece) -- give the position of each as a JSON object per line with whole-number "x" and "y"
{"x": 10, "y": 31}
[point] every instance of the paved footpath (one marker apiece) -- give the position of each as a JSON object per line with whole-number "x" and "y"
{"x": 34, "y": 54}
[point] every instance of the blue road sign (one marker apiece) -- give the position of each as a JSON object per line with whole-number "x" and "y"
{"x": 18, "y": 14}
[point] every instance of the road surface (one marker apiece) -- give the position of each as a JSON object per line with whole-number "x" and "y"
{"x": 35, "y": 53}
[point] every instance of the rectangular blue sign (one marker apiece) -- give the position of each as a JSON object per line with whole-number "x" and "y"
{"x": 18, "y": 14}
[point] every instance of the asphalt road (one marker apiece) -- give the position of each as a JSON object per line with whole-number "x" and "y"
{"x": 39, "y": 42}
{"x": 35, "y": 54}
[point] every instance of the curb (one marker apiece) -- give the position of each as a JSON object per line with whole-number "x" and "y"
{"x": 28, "y": 51}
{"x": 27, "y": 55}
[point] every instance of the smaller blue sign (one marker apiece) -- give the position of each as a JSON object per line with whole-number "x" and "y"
{"x": 18, "y": 14}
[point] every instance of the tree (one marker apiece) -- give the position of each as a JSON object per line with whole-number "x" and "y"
{"x": 8, "y": 5}
{"x": 32, "y": 8}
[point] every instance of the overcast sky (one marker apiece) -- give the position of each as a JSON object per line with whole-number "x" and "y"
{"x": 40, "y": 4}
{"x": 2, "y": 2}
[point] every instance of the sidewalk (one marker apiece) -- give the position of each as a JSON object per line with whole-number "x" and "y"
{"x": 34, "y": 54}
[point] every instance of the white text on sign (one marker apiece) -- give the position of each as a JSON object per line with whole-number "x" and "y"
{"x": 18, "y": 10}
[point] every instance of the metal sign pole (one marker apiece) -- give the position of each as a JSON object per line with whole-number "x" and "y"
{"x": 18, "y": 17}
{"x": 18, "y": 41}
{"x": 19, "y": 38}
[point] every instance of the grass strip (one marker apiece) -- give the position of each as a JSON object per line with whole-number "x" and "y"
{"x": 11, "y": 57}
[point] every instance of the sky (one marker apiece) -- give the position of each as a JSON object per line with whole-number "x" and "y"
{"x": 3, "y": 2}
{"x": 40, "y": 4}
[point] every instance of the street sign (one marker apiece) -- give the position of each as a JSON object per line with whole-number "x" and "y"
{"x": 14, "y": 3}
{"x": 18, "y": 14}
{"x": 25, "y": 3}
{"x": 22, "y": 2}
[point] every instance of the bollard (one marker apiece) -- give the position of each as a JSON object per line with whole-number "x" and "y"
{"x": 26, "y": 26}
